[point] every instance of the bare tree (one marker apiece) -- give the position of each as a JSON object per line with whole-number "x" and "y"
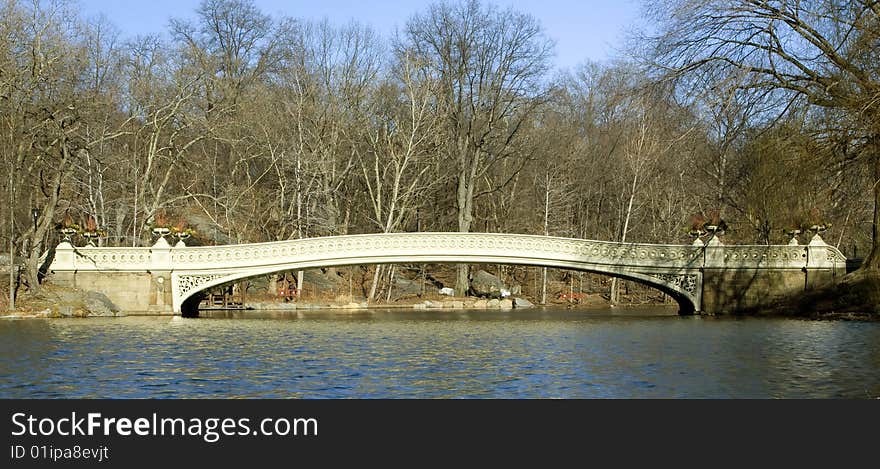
{"x": 401, "y": 143}
{"x": 490, "y": 66}
{"x": 235, "y": 42}
{"x": 646, "y": 143}
{"x": 162, "y": 100}
{"x": 42, "y": 113}
{"x": 823, "y": 51}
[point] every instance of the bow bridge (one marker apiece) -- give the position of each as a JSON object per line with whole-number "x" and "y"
{"x": 712, "y": 278}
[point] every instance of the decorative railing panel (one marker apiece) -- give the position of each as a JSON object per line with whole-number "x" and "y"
{"x": 433, "y": 244}
{"x": 110, "y": 259}
{"x": 737, "y": 256}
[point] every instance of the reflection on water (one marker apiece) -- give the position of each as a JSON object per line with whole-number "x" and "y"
{"x": 451, "y": 354}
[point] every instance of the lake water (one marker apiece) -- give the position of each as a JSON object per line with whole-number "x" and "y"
{"x": 539, "y": 353}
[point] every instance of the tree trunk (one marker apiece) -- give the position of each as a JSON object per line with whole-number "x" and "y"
{"x": 44, "y": 223}
{"x": 375, "y": 285}
{"x": 465, "y": 218}
{"x": 872, "y": 260}
{"x": 390, "y": 284}
{"x": 615, "y": 296}
{"x": 300, "y": 274}
{"x": 543, "y": 285}
{"x": 546, "y": 233}
{"x": 11, "y": 243}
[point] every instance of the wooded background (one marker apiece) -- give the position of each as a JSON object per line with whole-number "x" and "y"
{"x": 247, "y": 127}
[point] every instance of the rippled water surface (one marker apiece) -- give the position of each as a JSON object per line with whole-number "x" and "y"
{"x": 410, "y": 354}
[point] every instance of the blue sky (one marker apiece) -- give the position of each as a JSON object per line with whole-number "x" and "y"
{"x": 583, "y": 30}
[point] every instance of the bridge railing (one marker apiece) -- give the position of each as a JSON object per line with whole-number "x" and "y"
{"x": 71, "y": 258}
{"x": 773, "y": 257}
{"x": 435, "y": 244}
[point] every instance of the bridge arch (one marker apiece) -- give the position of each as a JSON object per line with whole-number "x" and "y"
{"x": 672, "y": 269}
{"x": 679, "y": 291}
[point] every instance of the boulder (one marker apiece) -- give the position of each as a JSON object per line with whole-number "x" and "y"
{"x": 70, "y": 302}
{"x": 324, "y": 280}
{"x": 65, "y": 311}
{"x": 487, "y": 285}
{"x": 522, "y": 303}
{"x": 404, "y": 288}
{"x": 66, "y": 296}
{"x": 98, "y": 304}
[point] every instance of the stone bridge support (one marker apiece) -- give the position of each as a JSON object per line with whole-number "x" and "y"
{"x": 134, "y": 279}
{"x": 737, "y": 278}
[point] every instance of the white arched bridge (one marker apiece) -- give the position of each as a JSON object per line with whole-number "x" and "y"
{"x": 712, "y": 278}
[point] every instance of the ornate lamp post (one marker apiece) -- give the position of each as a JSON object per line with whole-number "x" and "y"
{"x": 68, "y": 228}
{"x": 816, "y": 224}
{"x": 181, "y": 236}
{"x": 91, "y": 231}
{"x": 819, "y": 227}
{"x": 716, "y": 227}
{"x": 697, "y": 234}
{"x": 181, "y": 232}
{"x": 90, "y": 237}
{"x": 67, "y": 233}
{"x": 160, "y": 231}
{"x": 160, "y": 228}
{"x": 816, "y": 229}
{"x": 792, "y": 233}
{"x": 697, "y": 229}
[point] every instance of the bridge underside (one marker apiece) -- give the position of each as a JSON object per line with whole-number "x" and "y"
{"x": 683, "y": 286}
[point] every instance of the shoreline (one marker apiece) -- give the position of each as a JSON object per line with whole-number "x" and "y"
{"x": 347, "y": 310}
{"x": 464, "y": 304}
{"x": 854, "y": 299}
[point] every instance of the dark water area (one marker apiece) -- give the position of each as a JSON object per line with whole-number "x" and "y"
{"x": 538, "y": 353}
